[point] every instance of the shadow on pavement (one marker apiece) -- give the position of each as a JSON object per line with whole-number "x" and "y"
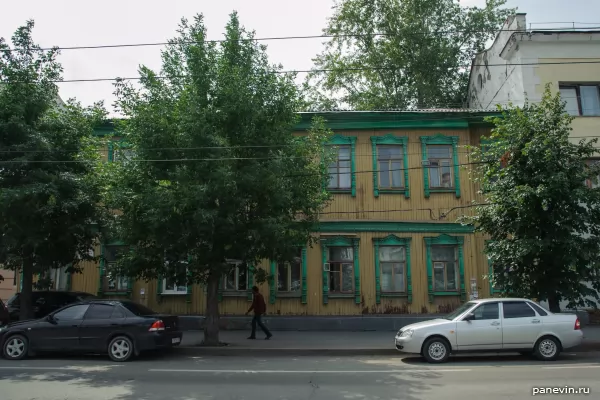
{"x": 582, "y": 358}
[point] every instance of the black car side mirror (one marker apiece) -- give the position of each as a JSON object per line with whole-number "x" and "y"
{"x": 50, "y": 318}
{"x": 469, "y": 317}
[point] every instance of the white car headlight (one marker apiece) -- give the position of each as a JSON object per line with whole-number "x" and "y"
{"x": 407, "y": 333}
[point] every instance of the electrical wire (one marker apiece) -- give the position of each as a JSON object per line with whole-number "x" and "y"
{"x": 307, "y": 71}
{"x": 277, "y": 38}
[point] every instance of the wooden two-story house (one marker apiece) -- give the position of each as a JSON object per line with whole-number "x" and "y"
{"x": 388, "y": 242}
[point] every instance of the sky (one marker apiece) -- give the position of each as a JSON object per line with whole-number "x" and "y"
{"x": 66, "y": 23}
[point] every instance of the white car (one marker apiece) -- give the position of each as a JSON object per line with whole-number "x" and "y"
{"x": 492, "y": 325}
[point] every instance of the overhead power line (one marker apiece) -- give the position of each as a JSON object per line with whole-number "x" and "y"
{"x": 277, "y": 38}
{"x": 299, "y": 71}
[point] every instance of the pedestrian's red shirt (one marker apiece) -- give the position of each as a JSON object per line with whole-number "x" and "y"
{"x": 258, "y": 304}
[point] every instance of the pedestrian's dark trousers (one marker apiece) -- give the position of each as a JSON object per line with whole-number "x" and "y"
{"x": 258, "y": 320}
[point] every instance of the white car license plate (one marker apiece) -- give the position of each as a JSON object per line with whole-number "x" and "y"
{"x": 175, "y": 340}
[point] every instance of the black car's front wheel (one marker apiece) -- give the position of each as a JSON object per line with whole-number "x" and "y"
{"x": 15, "y": 347}
{"x": 120, "y": 349}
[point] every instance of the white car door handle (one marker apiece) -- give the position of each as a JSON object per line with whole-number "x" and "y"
{"x": 495, "y": 323}
{"x": 535, "y": 321}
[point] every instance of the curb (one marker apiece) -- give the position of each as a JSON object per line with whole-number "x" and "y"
{"x": 275, "y": 352}
{"x": 232, "y": 351}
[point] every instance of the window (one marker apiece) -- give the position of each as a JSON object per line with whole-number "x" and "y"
{"x": 390, "y": 165}
{"x": 237, "y": 278}
{"x": 340, "y": 170}
{"x": 71, "y": 313}
{"x": 120, "y": 152}
{"x": 517, "y": 309}
{"x": 118, "y": 313}
{"x": 392, "y": 262}
{"x": 487, "y": 311}
{"x": 594, "y": 181}
{"x": 137, "y": 309}
{"x": 289, "y": 274}
{"x": 538, "y": 308}
{"x": 99, "y": 311}
{"x": 445, "y": 261}
{"x": 440, "y": 166}
{"x": 581, "y": 99}
{"x": 112, "y": 281}
{"x": 171, "y": 286}
{"x": 341, "y": 269}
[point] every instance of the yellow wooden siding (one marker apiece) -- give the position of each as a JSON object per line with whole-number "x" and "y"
{"x": 475, "y": 266}
{"x": 362, "y": 207}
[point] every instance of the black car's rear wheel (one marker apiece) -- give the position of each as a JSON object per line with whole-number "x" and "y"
{"x": 15, "y": 347}
{"x": 120, "y": 349}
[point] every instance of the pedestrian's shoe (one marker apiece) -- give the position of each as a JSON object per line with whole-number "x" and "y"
{"x": 252, "y": 337}
{"x": 268, "y": 337}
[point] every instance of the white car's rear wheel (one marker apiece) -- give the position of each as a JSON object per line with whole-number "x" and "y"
{"x": 547, "y": 348}
{"x": 436, "y": 350}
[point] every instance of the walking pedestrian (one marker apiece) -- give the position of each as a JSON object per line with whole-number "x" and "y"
{"x": 260, "y": 307}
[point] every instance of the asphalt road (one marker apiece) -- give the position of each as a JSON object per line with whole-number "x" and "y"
{"x": 290, "y": 378}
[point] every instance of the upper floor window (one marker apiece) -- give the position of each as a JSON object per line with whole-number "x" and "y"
{"x": 594, "y": 181}
{"x": 340, "y": 170}
{"x": 440, "y": 166}
{"x": 581, "y": 99}
{"x": 391, "y": 167}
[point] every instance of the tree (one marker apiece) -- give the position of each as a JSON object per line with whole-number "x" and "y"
{"x": 541, "y": 216}
{"x": 217, "y": 173}
{"x": 400, "y": 53}
{"x": 48, "y": 158}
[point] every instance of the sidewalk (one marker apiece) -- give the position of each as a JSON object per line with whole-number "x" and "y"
{"x": 321, "y": 343}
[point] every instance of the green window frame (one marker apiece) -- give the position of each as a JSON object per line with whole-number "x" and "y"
{"x": 341, "y": 241}
{"x": 160, "y": 294}
{"x": 445, "y": 240}
{"x": 222, "y": 292}
{"x": 103, "y": 272}
{"x": 340, "y": 140}
{"x": 493, "y": 290}
{"x": 303, "y": 279}
{"x": 442, "y": 140}
{"x": 392, "y": 241}
{"x": 390, "y": 140}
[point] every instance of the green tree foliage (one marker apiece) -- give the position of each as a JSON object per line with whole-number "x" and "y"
{"x": 542, "y": 218}
{"x": 48, "y": 160}
{"x": 217, "y": 174}
{"x": 420, "y": 59}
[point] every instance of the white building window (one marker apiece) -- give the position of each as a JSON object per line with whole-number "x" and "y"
{"x": 581, "y": 99}
{"x": 170, "y": 286}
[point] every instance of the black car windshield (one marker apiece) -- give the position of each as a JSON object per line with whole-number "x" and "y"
{"x": 459, "y": 310}
{"x": 137, "y": 309}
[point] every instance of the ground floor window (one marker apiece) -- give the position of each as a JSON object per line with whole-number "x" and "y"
{"x": 112, "y": 281}
{"x": 341, "y": 269}
{"x": 289, "y": 274}
{"x": 171, "y": 286}
{"x": 392, "y": 261}
{"x": 237, "y": 277}
{"x": 445, "y": 268}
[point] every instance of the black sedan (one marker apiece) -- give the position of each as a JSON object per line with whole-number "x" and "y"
{"x": 120, "y": 328}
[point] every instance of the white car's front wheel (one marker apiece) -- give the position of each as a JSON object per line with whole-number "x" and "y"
{"x": 436, "y": 350}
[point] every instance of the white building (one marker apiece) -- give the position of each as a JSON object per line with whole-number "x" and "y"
{"x": 520, "y": 63}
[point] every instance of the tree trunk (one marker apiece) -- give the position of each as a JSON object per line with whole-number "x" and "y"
{"x": 25, "y": 299}
{"x": 211, "y": 322}
{"x": 553, "y": 303}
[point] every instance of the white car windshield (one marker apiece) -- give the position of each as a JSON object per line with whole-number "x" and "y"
{"x": 459, "y": 310}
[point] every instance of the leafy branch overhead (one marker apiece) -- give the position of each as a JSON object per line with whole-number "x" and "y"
{"x": 542, "y": 213}
{"x": 400, "y": 53}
